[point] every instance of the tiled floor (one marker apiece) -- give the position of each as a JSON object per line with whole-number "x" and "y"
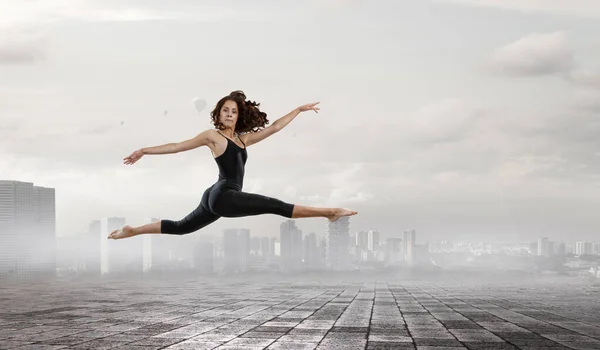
{"x": 198, "y": 313}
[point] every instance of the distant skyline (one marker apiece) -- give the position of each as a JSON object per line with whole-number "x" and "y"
{"x": 457, "y": 118}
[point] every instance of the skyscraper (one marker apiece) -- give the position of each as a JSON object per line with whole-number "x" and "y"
{"x": 27, "y": 230}
{"x": 338, "y": 242}
{"x": 393, "y": 250}
{"x": 543, "y": 247}
{"x": 583, "y": 248}
{"x": 204, "y": 257}
{"x": 311, "y": 252}
{"x": 373, "y": 240}
{"x": 291, "y": 246}
{"x": 362, "y": 240}
{"x": 244, "y": 248}
{"x": 236, "y": 249}
{"x": 265, "y": 247}
{"x": 408, "y": 245}
{"x": 123, "y": 255}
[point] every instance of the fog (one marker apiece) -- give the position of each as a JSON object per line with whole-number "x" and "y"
{"x": 336, "y": 252}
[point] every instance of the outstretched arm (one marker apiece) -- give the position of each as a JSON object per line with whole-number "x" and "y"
{"x": 201, "y": 139}
{"x": 255, "y": 137}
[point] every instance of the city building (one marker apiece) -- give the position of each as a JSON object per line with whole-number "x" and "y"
{"x": 27, "y": 230}
{"x": 408, "y": 245}
{"x": 338, "y": 243}
{"x": 291, "y": 247}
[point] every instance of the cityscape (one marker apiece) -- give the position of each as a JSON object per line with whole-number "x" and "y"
{"x": 31, "y": 248}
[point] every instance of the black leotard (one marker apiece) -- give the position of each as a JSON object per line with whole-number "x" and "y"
{"x": 225, "y": 198}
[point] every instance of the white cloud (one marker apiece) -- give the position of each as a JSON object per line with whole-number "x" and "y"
{"x": 585, "y": 78}
{"x": 578, "y": 8}
{"x": 22, "y": 45}
{"x": 515, "y": 168}
{"x": 541, "y": 54}
{"x": 24, "y": 24}
{"x": 535, "y": 54}
{"x": 334, "y": 4}
{"x": 587, "y": 101}
{"x": 347, "y": 187}
{"x": 44, "y": 12}
{"x": 449, "y": 119}
{"x": 447, "y": 176}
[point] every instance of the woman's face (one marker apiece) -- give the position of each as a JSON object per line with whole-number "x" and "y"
{"x": 229, "y": 114}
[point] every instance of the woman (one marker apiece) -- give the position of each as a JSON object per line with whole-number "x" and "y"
{"x": 232, "y": 115}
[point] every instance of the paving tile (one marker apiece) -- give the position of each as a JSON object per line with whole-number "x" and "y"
{"x": 238, "y": 313}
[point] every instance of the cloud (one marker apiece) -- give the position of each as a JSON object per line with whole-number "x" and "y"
{"x": 535, "y": 54}
{"x": 19, "y": 46}
{"x": 584, "y": 78}
{"x": 24, "y": 25}
{"x": 558, "y": 146}
{"x": 334, "y": 5}
{"x": 45, "y": 12}
{"x": 577, "y": 8}
{"x": 347, "y": 188}
{"x": 543, "y": 54}
{"x": 448, "y": 120}
{"x": 10, "y": 124}
{"x": 587, "y": 101}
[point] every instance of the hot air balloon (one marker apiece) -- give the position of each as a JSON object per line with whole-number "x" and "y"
{"x": 199, "y": 104}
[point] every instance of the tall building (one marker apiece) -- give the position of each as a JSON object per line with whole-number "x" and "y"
{"x": 561, "y": 250}
{"x": 236, "y": 250}
{"x": 311, "y": 254}
{"x": 123, "y": 255}
{"x": 244, "y": 248}
{"x": 362, "y": 240}
{"x": 272, "y": 249}
{"x": 27, "y": 230}
{"x": 291, "y": 246}
{"x": 266, "y": 249}
{"x": 204, "y": 257}
{"x": 393, "y": 250}
{"x": 254, "y": 246}
{"x": 165, "y": 250}
{"x": 408, "y": 245}
{"x": 543, "y": 247}
{"x": 92, "y": 249}
{"x": 373, "y": 240}
{"x": 102, "y": 256}
{"x": 338, "y": 243}
{"x": 583, "y": 248}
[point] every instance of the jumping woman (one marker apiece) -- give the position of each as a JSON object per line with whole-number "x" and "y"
{"x": 238, "y": 124}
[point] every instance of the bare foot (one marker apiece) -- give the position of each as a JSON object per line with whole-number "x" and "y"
{"x": 339, "y": 212}
{"x": 126, "y": 231}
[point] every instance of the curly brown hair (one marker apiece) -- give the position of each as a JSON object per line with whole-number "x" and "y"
{"x": 250, "y": 118}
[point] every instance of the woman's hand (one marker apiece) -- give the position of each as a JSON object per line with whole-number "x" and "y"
{"x": 309, "y": 107}
{"x": 133, "y": 157}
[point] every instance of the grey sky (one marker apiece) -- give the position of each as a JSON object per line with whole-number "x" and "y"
{"x": 457, "y": 118}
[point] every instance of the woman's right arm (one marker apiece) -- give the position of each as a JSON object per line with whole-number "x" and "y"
{"x": 201, "y": 139}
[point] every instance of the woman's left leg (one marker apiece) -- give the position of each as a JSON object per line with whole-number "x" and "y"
{"x": 233, "y": 203}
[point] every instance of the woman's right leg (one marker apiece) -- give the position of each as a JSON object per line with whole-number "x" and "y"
{"x": 194, "y": 221}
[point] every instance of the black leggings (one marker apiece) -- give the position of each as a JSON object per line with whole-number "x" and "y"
{"x": 225, "y": 199}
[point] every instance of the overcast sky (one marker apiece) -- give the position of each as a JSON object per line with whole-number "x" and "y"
{"x": 457, "y": 118}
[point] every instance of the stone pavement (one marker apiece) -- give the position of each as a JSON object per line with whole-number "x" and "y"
{"x": 224, "y": 313}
